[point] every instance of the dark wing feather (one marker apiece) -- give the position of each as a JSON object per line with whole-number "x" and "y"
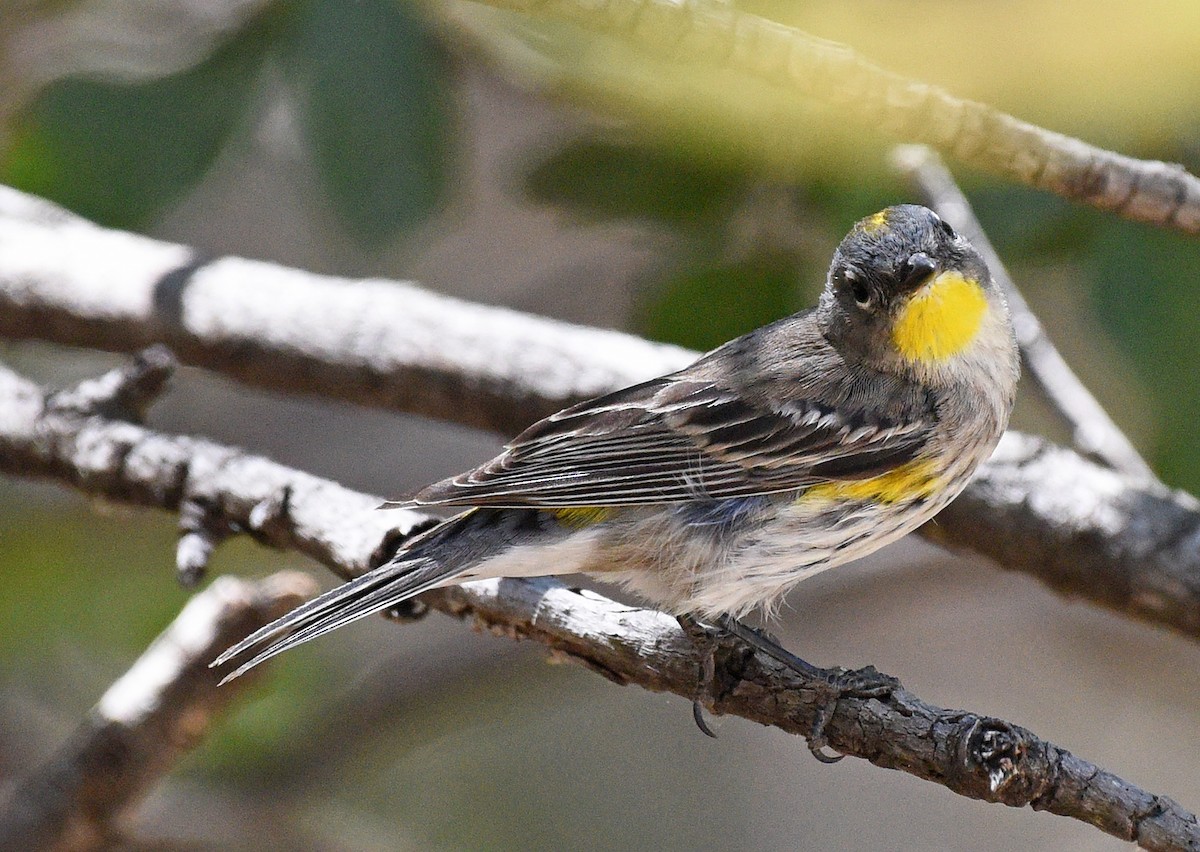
{"x": 679, "y": 438}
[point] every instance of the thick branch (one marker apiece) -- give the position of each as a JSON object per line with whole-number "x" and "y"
{"x": 975, "y": 756}
{"x": 157, "y": 712}
{"x": 373, "y": 342}
{"x": 1118, "y": 541}
{"x": 720, "y": 36}
{"x": 1092, "y": 430}
{"x": 980, "y": 757}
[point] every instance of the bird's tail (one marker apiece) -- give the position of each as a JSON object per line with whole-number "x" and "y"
{"x": 459, "y": 548}
{"x": 375, "y": 591}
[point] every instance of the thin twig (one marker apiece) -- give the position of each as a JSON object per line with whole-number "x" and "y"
{"x": 976, "y": 756}
{"x": 125, "y": 393}
{"x": 154, "y": 714}
{"x": 1093, "y": 431}
{"x": 720, "y": 36}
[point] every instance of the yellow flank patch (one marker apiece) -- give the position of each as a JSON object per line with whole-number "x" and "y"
{"x": 873, "y": 224}
{"x": 582, "y": 516}
{"x": 941, "y": 319}
{"x": 917, "y": 479}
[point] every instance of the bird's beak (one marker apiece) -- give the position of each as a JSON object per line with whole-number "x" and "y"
{"x": 918, "y": 270}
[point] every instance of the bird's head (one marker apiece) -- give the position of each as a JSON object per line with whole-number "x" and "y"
{"x": 906, "y": 293}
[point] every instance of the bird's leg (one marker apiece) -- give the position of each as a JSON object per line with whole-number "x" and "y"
{"x": 704, "y": 640}
{"x": 760, "y": 640}
{"x": 835, "y": 683}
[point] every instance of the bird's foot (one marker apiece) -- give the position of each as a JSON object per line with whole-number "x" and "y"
{"x": 836, "y": 684}
{"x": 832, "y": 684}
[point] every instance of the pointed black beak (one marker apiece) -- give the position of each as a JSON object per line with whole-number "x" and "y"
{"x": 917, "y": 270}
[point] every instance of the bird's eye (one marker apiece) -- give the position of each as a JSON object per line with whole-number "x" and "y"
{"x": 947, "y": 230}
{"x": 858, "y": 287}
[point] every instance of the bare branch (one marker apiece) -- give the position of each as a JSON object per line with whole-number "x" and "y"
{"x": 154, "y": 714}
{"x": 125, "y": 393}
{"x": 373, "y": 342}
{"x": 975, "y": 756}
{"x": 1088, "y": 532}
{"x": 980, "y": 757}
{"x": 127, "y": 463}
{"x": 720, "y": 36}
{"x": 1127, "y": 544}
{"x": 1092, "y": 430}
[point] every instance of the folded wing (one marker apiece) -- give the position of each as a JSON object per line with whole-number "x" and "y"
{"x": 678, "y": 438}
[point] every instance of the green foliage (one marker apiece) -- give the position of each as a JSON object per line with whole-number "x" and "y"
{"x": 706, "y": 299}
{"x": 374, "y": 104}
{"x": 57, "y": 575}
{"x": 1147, "y": 295}
{"x": 604, "y": 180}
{"x": 119, "y": 153}
{"x": 702, "y": 308}
{"x": 840, "y": 198}
{"x": 375, "y": 109}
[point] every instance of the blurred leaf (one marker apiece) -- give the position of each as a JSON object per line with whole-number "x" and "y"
{"x": 376, "y": 111}
{"x": 606, "y": 180}
{"x": 702, "y": 308}
{"x": 845, "y": 197}
{"x": 119, "y": 153}
{"x": 129, "y": 595}
{"x": 1029, "y": 226}
{"x": 1146, "y": 293}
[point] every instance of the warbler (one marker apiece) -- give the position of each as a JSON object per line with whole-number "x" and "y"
{"x": 713, "y": 490}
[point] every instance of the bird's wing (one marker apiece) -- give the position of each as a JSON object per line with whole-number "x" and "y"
{"x": 678, "y": 438}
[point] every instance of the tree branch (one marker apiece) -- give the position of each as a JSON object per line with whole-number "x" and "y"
{"x": 976, "y": 756}
{"x": 154, "y": 714}
{"x": 719, "y": 36}
{"x": 1092, "y": 430}
{"x": 1122, "y": 542}
{"x": 373, "y": 342}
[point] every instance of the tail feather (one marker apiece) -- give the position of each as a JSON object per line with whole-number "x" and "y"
{"x": 466, "y": 543}
{"x": 373, "y": 592}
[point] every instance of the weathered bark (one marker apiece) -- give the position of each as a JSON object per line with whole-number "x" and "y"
{"x": 976, "y": 756}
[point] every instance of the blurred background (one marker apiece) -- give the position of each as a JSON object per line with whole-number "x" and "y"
{"x": 510, "y": 161}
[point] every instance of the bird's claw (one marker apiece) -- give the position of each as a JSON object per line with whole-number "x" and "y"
{"x": 864, "y": 683}
{"x": 831, "y": 684}
{"x": 704, "y": 640}
{"x": 701, "y": 722}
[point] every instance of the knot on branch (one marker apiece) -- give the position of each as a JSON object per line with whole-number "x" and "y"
{"x": 125, "y": 393}
{"x": 395, "y": 538}
{"x": 202, "y": 526}
{"x": 1005, "y": 762}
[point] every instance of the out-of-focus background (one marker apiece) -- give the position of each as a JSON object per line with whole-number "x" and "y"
{"x": 529, "y": 164}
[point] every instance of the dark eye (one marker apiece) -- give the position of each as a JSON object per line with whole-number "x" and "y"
{"x": 947, "y": 230}
{"x": 858, "y": 287}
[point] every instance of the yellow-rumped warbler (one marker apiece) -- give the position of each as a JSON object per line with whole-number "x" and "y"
{"x": 711, "y": 491}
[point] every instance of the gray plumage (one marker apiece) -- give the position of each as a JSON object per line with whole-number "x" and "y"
{"x": 797, "y": 447}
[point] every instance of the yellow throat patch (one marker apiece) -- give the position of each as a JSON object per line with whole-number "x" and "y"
{"x": 941, "y": 319}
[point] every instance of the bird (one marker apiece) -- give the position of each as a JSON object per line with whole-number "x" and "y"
{"x": 713, "y": 490}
